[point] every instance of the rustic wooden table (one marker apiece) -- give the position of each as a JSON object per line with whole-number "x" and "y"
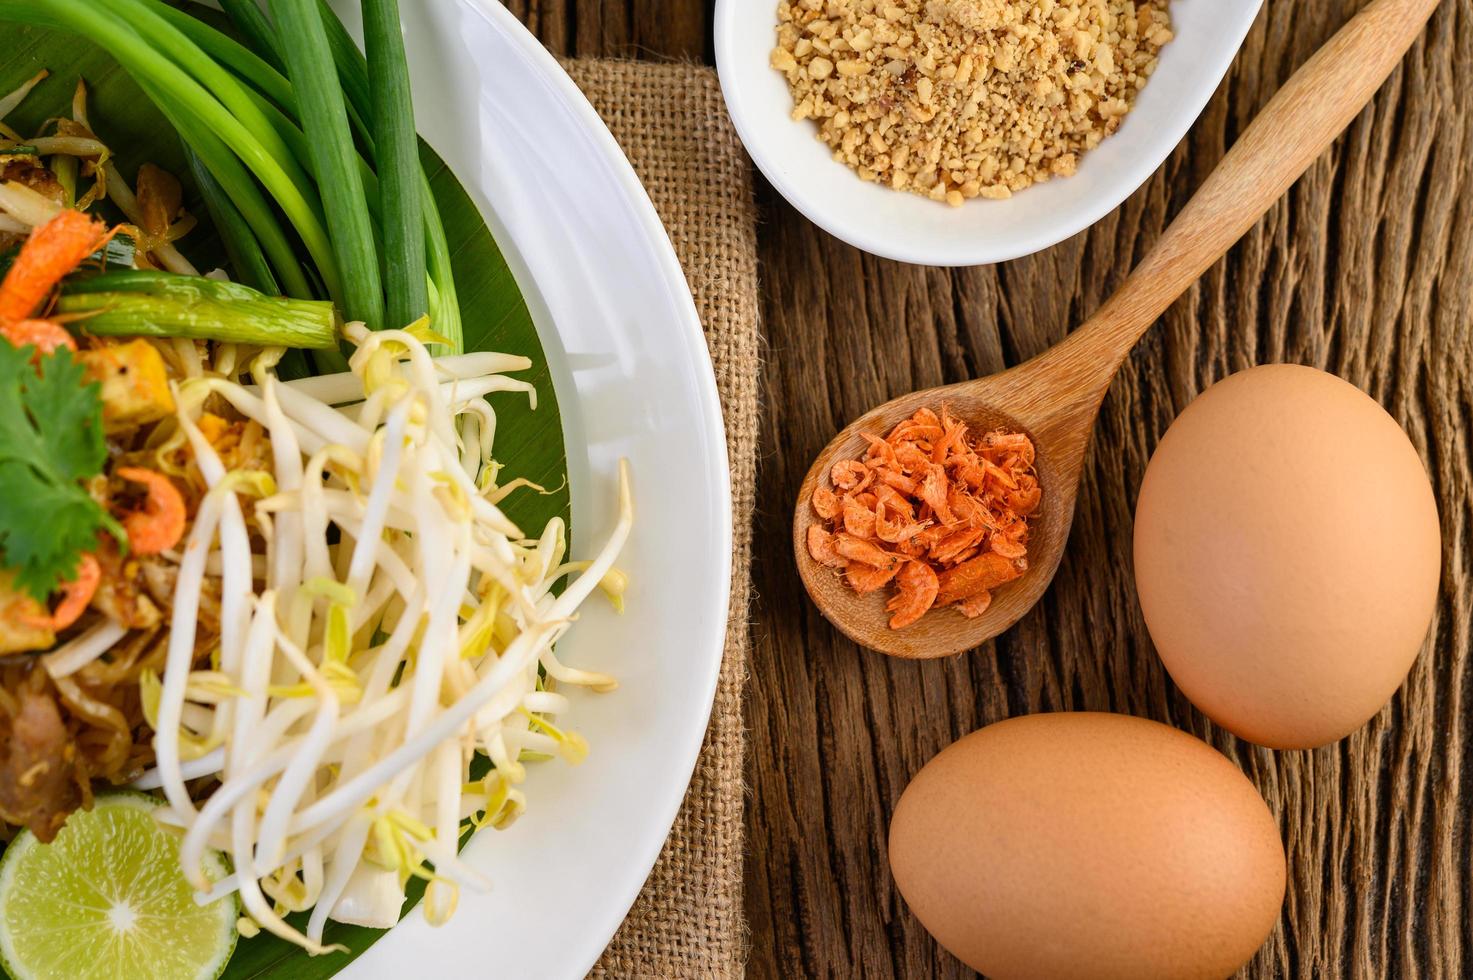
{"x": 1366, "y": 269}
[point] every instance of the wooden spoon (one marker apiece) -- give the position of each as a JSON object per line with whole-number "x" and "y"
{"x": 1055, "y": 397}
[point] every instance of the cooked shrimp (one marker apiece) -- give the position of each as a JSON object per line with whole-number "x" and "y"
{"x": 75, "y": 596}
{"x": 851, "y": 475}
{"x": 975, "y": 606}
{"x": 862, "y": 579}
{"x": 1010, "y": 544}
{"x": 821, "y": 547}
{"x": 160, "y": 524}
{"x": 941, "y": 513}
{"x": 53, "y": 250}
{"x": 44, "y": 335}
{"x": 982, "y": 574}
{"x": 859, "y": 520}
{"x": 863, "y": 552}
{"x": 918, "y": 588}
{"x": 826, "y": 503}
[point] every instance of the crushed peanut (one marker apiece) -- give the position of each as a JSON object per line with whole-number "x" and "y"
{"x": 957, "y": 99}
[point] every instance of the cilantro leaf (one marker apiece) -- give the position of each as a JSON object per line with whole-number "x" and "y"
{"x": 50, "y": 440}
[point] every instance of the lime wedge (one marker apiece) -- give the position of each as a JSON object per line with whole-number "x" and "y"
{"x": 106, "y": 899}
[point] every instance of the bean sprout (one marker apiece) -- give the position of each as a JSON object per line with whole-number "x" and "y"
{"x": 397, "y": 626}
{"x": 71, "y": 657}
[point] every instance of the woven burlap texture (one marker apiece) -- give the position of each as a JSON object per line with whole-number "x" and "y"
{"x": 672, "y": 123}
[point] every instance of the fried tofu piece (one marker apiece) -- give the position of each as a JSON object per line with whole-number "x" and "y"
{"x": 20, "y": 615}
{"x": 135, "y": 384}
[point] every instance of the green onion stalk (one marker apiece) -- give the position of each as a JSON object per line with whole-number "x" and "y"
{"x": 146, "y": 303}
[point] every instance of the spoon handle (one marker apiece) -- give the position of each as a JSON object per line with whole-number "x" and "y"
{"x": 1299, "y": 123}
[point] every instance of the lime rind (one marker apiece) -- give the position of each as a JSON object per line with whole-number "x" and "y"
{"x": 107, "y": 899}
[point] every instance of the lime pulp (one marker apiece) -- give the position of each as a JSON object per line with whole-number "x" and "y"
{"x": 107, "y": 899}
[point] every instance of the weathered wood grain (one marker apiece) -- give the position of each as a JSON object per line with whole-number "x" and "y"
{"x": 656, "y": 29}
{"x": 1365, "y": 269}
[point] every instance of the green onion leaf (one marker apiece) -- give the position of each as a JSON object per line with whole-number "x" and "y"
{"x": 172, "y": 87}
{"x": 249, "y": 19}
{"x": 398, "y": 163}
{"x": 242, "y": 191}
{"x": 334, "y": 158}
{"x": 253, "y": 68}
{"x": 241, "y": 247}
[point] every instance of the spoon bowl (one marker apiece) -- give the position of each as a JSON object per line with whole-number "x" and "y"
{"x": 1058, "y": 459}
{"x": 1055, "y": 397}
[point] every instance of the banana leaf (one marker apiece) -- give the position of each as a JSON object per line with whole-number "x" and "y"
{"x": 495, "y": 315}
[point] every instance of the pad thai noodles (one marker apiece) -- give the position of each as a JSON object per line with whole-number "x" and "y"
{"x": 291, "y": 606}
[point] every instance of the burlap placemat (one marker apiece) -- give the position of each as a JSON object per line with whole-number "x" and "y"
{"x": 672, "y": 124}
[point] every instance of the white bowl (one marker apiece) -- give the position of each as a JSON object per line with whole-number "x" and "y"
{"x": 634, "y": 380}
{"x": 911, "y": 228}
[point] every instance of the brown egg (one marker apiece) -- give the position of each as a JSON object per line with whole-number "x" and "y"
{"x": 1287, "y": 555}
{"x": 1088, "y": 846}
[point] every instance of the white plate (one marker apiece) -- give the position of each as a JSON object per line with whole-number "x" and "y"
{"x": 634, "y": 379}
{"x": 911, "y": 228}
